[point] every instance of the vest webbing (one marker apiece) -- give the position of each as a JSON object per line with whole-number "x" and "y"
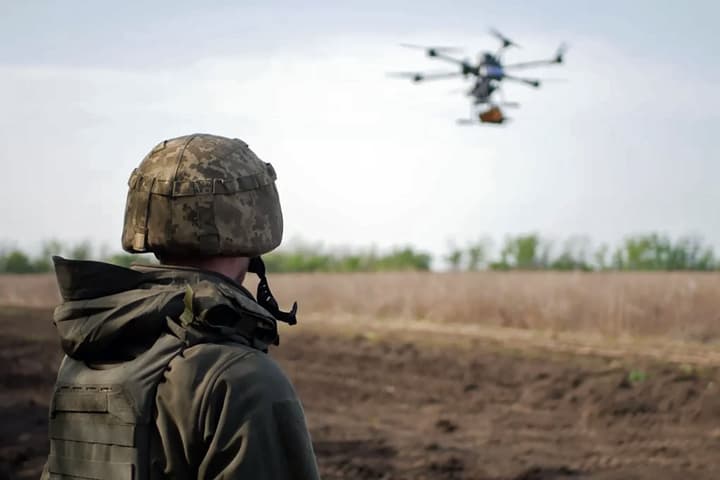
{"x": 101, "y": 419}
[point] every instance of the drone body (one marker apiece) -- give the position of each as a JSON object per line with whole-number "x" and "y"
{"x": 489, "y": 72}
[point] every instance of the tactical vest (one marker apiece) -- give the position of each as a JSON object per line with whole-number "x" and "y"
{"x": 101, "y": 420}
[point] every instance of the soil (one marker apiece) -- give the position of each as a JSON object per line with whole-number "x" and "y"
{"x": 410, "y": 407}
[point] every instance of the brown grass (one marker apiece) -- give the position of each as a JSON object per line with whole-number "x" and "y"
{"x": 29, "y": 290}
{"x": 681, "y": 306}
{"x": 677, "y": 306}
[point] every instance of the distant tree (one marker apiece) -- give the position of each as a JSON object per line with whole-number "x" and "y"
{"x": 689, "y": 253}
{"x": 523, "y": 252}
{"x": 454, "y": 258}
{"x": 43, "y": 262}
{"x": 17, "y": 262}
{"x": 638, "y": 252}
{"x": 600, "y": 257}
{"x": 658, "y": 252}
{"x": 651, "y": 251}
{"x": 52, "y": 247}
{"x": 574, "y": 255}
{"x": 618, "y": 261}
{"x": 404, "y": 259}
{"x": 81, "y": 251}
{"x": 478, "y": 254}
{"x": 301, "y": 260}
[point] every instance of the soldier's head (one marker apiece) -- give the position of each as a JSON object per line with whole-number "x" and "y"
{"x": 205, "y": 201}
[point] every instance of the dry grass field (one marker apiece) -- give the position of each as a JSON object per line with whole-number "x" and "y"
{"x": 677, "y": 306}
{"x": 674, "y": 306}
{"x": 477, "y": 376}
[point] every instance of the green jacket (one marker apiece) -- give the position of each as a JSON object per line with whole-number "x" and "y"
{"x": 166, "y": 376}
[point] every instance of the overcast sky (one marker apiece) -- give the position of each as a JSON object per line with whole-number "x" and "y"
{"x": 629, "y": 143}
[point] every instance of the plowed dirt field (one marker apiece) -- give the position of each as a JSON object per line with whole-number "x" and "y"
{"x": 445, "y": 404}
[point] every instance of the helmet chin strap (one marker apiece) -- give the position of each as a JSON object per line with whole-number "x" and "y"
{"x": 265, "y": 297}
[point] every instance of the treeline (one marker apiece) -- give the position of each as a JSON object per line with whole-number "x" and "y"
{"x": 314, "y": 259}
{"x": 637, "y": 252}
{"x": 15, "y": 260}
{"x": 518, "y": 252}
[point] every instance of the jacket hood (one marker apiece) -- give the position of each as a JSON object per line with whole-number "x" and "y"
{"x": 111, "y": 313}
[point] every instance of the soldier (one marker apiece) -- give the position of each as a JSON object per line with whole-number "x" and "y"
{"x": 166, "y": 373}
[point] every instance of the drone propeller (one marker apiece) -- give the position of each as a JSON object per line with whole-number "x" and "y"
{"x": 433, "y": 51}
{"x": 560, "y": 54}
{"x": 419, "y": 76}
{"x": 506, "y": 42}
{"x": 414, "y": 76}
{"x": 425, "y": 47}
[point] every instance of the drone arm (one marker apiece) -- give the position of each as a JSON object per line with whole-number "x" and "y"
{"x": 439, "y": 76}
{"x": 420, "y": 76}
{"x": 535, "y": 63}
{"x": 447, "y": 58}
{"x": 557, "y": 59}
{"x": 527, "y": 81}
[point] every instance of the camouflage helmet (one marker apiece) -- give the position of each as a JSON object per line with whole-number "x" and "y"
{"x": 202, "y": 195}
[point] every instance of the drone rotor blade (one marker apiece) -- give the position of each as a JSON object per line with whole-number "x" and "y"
{"x": 402, "y": 74}
{"x": 440, "y": 76}
{"x": 420, "y": 76}
{"x": 441, "y": 49}
{"x": 560, "y": 54}
{"x": 414, "y": 76}
{"x": 506, "y": 42}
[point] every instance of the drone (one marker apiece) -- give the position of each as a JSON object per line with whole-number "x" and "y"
{"x": 489, "y": 72}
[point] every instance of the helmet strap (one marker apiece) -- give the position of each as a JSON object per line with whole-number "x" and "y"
{"x": 265, "y": 297}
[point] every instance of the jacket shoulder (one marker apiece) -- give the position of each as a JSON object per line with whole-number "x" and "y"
{"x": 229, "y": 411}
{"x": 230, "y": 371}
{"x": 252, "y": 375}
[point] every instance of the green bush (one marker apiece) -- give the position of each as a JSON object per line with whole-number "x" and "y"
{"x": 17, "y": 262}
{"x": 523, "y": 252}
{"x": 658, "y": 252}
{"x": 315, "y": 260}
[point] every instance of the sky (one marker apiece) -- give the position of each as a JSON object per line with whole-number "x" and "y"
{"x": 625, "y": 143}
